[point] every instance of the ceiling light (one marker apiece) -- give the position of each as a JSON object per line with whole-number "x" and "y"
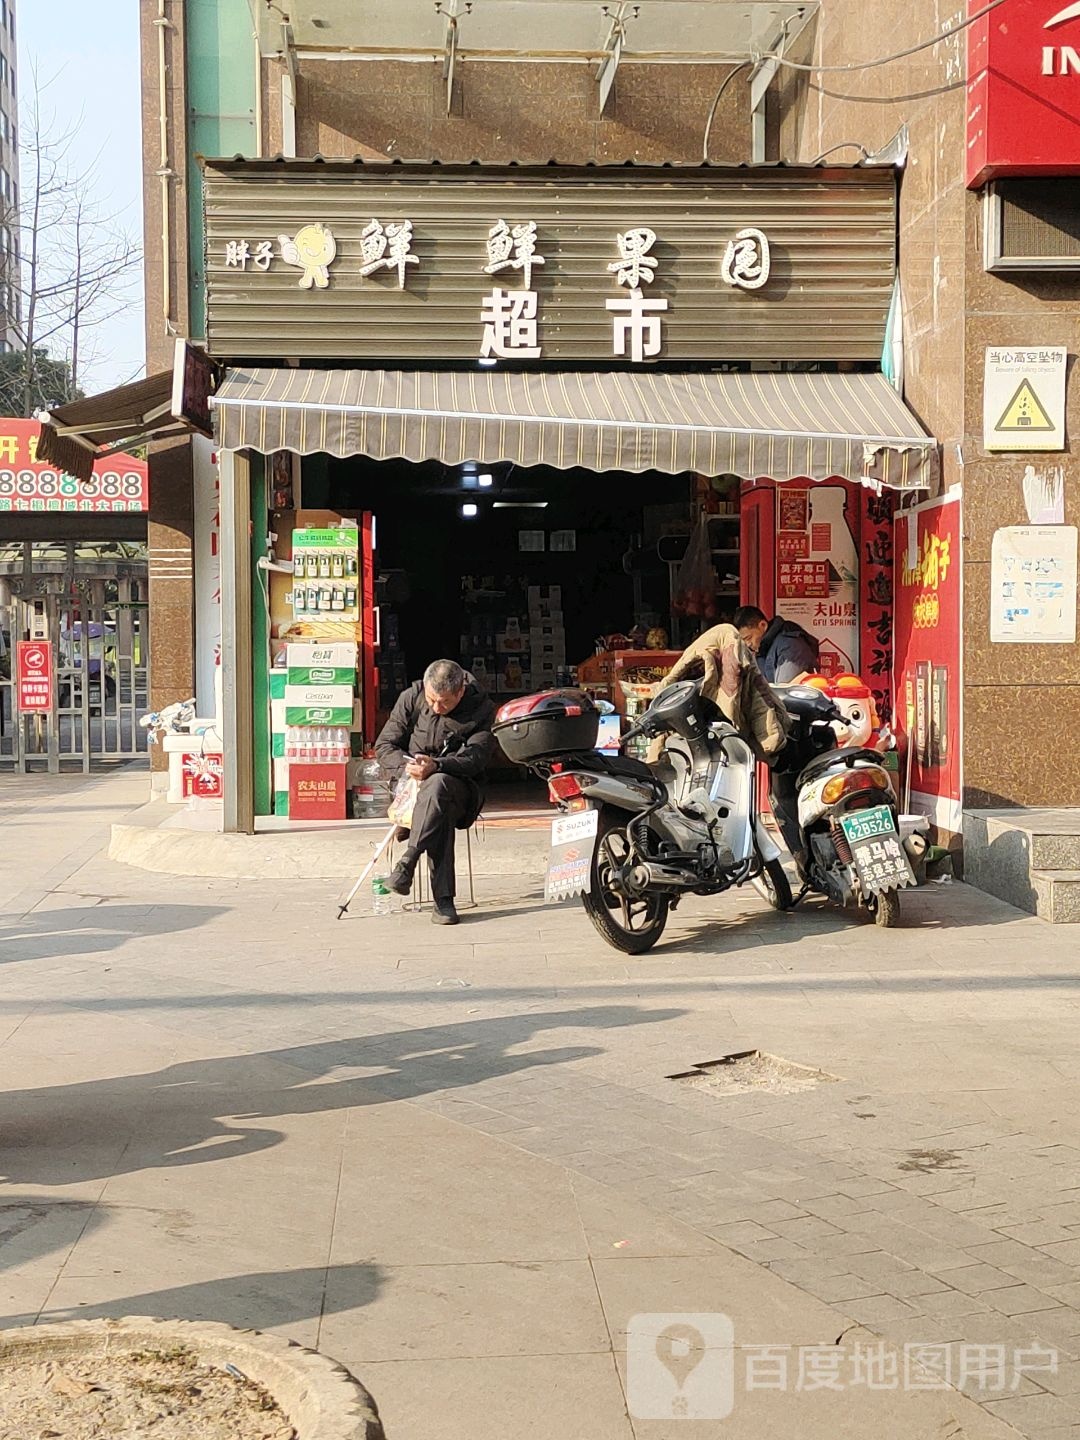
{"x": 488, "y": 360}
{"x": 519, "y": 505}
{"x": 485, "y": 481}
{"x": 469, "y": 510}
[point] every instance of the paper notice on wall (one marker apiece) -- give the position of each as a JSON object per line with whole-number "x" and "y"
{"x": 1033, "y": 585}
{"x": 819, "y": 593}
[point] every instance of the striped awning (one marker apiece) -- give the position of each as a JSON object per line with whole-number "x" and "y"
{"x": 758, "y": 425}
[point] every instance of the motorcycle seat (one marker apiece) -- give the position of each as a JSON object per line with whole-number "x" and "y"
{"x": 627, "y": 766}
{"x": 845, "y": 755}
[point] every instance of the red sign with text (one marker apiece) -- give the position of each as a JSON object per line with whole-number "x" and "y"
{"x": 33, "y": 677}
{"x": 1023, "y": 95}
{"x": 926, "y": 658}
{"x": 118, "y": 484}
{"x": 806, "y": 579}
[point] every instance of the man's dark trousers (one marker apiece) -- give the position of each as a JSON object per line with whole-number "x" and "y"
{"x": 442, "y": 802}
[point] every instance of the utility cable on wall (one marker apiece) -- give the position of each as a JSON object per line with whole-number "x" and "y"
{"x": 900, "y": 54}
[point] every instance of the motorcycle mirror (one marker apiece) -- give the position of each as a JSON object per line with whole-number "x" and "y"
{"x": 605, "y": 707}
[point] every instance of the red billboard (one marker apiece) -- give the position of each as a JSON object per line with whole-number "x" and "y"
{"x": 1023, "y": 96}
{"x": 33, "y": 677}
{"x": 926, "y": 655}
{"x": 118, "y": 485}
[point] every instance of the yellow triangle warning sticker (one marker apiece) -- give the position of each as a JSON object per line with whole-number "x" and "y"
{"x": 1024, "y": 412}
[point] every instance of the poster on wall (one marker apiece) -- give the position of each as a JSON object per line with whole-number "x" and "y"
{"x": 926, "y": 659}
{"x": 118, "y": 484}
{"x": 1033, "y": 585}
{"x": 817, "y": 569}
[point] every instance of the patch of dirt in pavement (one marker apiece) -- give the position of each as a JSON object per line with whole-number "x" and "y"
{"x": 753, "y": 1070}
{"x": 169, "y": 1395}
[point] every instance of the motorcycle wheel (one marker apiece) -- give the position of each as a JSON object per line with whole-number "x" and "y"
{"x": 886, "y": 908}
{"x": 630, "y": 925}
{"x": 773, "y": 886}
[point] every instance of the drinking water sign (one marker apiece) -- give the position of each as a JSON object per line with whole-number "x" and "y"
{"x": 1024, "y": 399}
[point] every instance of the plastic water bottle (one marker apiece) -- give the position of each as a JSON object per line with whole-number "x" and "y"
{"x": 381, "y": 896}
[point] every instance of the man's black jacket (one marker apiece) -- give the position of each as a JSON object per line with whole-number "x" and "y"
{"x": 465, "y": 735}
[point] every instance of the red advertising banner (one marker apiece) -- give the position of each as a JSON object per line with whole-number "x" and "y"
{"x": 1023, "y": 94}
{"x": 33, "y": 677}
{"x": 118, "y": 484}
{"x": 926, "y": 560}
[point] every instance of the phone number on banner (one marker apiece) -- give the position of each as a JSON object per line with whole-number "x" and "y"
{"x": 52, "y": 490}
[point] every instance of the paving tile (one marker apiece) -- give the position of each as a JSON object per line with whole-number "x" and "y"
{"x": 879, "y": 1308}
{"x": 1068, "y": 1252}
{"x": 1044, "y": 1233}
{"x": 1034, "y": 1414}
{"x": 1019, "y": 1300}
{"x": 974, "y": 1279}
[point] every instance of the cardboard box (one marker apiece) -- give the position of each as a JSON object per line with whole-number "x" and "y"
{"x": 550, "y": 595}
{"x": 278, "y": 679}
{"x": 546, "y": 630}
{"x": 511, "y": 644}
{"x": 278, "y": 723}
{"x": 318, "y": 705}
{"x": 317, "y": 792}
{"x": 337, "y": 654}
{"x": 321, "y": 675}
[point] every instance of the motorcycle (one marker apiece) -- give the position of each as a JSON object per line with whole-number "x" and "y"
{"x": 632, "y": 839}
{"x": 838, "y": 813}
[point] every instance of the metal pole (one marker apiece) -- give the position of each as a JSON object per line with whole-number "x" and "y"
{"x": 236, "y": 694}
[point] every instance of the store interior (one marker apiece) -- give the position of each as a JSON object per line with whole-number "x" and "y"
{"x": 533, "y": 577}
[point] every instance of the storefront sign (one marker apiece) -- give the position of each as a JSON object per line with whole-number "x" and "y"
{"x": 118, "y": 484}
{"x": 590, "y": 264}
{"x": 1033, "y": 585}
{"x": 927, "y": 654}
{"x": 820, "y": 591}
{"x": 1024, "y": 399}
{"x": 33, "y": 677}
{"x": 203, "y": 777}
{"x": 1023, "y": 91}
{"x": 317, "y": 792}
{"x": 195, "y": 378}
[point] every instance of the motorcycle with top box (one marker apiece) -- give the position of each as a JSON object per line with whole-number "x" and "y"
{"x": 633, "y": 839}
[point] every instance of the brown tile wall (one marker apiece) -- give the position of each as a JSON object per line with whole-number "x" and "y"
{"x": 953, "y": 311}
{"x": 170, "y": 525}
{"x": 502, "y": 112}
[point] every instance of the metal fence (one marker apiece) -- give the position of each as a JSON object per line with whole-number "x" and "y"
{"x": 99, "y": 633}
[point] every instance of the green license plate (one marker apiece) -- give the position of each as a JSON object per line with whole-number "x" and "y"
{"x": 866, "y": 824}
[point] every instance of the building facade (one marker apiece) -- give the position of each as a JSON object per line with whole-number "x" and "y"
{"x": 454, "y": 91}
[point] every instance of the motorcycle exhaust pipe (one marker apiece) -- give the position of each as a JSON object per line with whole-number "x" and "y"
{"x": 661, "y": 877}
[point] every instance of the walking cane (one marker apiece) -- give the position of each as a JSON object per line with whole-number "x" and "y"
{"x": 367, "y": 869}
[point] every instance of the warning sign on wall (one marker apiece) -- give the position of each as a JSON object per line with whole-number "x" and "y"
{"x": 1024, "y": 399}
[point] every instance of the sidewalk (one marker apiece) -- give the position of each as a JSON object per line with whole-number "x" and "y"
{"x": 454, "y": 1161}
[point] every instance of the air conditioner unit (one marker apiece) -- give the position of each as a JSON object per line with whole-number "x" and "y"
{"x": 1032, "y": 224}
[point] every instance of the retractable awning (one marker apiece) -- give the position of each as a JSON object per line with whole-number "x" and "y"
{"x": 776, "y": 425}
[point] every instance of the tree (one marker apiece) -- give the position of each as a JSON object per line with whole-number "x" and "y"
{"x": 73, "y": 271}
{"x": 47, "y": 381}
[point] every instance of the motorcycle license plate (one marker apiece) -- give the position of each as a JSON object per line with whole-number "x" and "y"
{"x": 573, "y": 839}
{"x": 879, "y": 857}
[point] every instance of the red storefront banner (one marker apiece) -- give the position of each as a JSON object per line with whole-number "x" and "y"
{"x": 1023, "y": 95}
{"x": 33, "y": 677}
{"x": 118, "y": 484}
{"x": 926, "y": 654}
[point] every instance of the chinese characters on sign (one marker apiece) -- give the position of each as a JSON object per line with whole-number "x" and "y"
{"x": 387, "y": 249}
{"x": 510, "y": 319}
{"x": 636, "y": 319}
{"x": 1024, "y": 399}
{"x": 747, "y": 260}
{"x": 817, "y": 569}
{"x": 802, "y": 578}
{"x": 29, "y": 484}
{"x": 926, "y": 655}
{"x": 34, "y": 678}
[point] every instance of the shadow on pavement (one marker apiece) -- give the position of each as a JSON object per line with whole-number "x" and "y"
{"x": 184, "y": 1115}
{"x": 93, "y": 929}
{"x": 258, "y": 1301}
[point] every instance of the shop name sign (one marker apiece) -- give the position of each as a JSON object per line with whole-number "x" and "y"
{"x": 510, "y": 318}
{"x": 118, "y": 484}
{"x": 441, "y": 262}
{"x": 1024, "y": 91}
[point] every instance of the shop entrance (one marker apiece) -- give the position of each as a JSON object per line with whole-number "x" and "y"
{"x": 531, "y": 577}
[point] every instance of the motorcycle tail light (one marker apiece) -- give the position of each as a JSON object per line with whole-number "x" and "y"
{"x": 564, "y": 787}
{"x": 871, "y": 777}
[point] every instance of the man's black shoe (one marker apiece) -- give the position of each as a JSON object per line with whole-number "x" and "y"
{"x": 401, "y": 877}
{"x": 444, "y": 913}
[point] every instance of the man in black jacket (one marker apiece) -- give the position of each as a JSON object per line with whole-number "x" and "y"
{"x": 785, "y": 651}
{"x": 439, "y": 733}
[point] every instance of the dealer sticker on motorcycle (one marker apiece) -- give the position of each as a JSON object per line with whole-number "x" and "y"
{"x": 879, "y": 856}
{"x": 570, "y": 865}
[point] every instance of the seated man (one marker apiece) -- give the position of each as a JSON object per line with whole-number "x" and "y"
{"x": 439, "y": 732}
